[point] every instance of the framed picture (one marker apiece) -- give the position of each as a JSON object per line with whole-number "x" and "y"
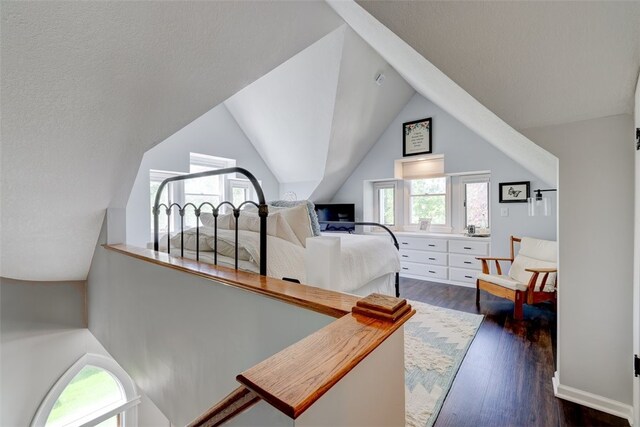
{"x": 514, "y": 192}
{"x": 425, "y": 224}
{"x": 416, "y": 137}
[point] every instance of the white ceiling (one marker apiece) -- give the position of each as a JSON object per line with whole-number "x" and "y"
{"x": 531, "y": 63}
{"x": 363, "y": 110}
{"x": 315, "y": 117}
{"x": 287, "y": 113}
{"x": 87, "y": 87}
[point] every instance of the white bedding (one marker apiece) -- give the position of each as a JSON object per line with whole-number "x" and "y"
{"x": 362, "y": 258}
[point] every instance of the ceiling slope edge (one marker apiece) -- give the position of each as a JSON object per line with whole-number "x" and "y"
{"x": 363, "y": 110}
{"x": 430, "y": 82}
{"x": 287, "y": 113}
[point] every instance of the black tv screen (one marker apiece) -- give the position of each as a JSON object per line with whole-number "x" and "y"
{"x": 331, "y": 213}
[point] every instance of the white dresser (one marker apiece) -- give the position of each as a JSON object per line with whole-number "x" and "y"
{"x": 445, "y": 258}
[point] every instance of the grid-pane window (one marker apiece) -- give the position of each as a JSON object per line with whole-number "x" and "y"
{"x": 91, "y": 392}
{"x": 476, "y": 204}
{"x": 240, "y": 194}
{"x": 200, "y": 190}
{"x": 169, "y": 195}
{"x": 428, "y": 199}
{"x": 386, "y": 205}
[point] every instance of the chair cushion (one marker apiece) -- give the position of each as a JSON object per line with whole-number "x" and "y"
{"x": 543, "y": 250}
{"x": 504, "y": 281}
{"x": 535, "y": 253}
{"x": 522, "y": 262}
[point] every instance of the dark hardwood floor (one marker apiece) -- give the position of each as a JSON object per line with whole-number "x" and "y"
{"x": 505, "y": 378}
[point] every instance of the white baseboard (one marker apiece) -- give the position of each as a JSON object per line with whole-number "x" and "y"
{"x": 591, "y": 400}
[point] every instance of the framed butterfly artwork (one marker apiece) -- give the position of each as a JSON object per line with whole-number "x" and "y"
{"x": 514, "y": 192}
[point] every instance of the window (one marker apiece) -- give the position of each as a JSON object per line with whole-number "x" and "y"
{"x": 476, "y": 200}
{"x": 169, "y": 195}
{"x": 384, "y": 194}
{"x": 428, "y": 199}
{"x": 206, "y": 189}
{"x": 95, "y": 391}
{"x": 241, "y": 190}
{"x": 421, "y": 190}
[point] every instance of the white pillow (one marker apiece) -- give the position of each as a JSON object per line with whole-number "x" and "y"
{"x": 225, "y": 222}
{"x": 276, "y": 226}
{"x": 297, "y": 217}
{"x": 190, "y": 241}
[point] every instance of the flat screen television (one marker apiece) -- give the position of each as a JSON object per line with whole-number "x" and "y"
{"x": 336, "y": 216}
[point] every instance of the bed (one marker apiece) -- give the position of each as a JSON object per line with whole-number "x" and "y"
{"x": 281, "y": 240}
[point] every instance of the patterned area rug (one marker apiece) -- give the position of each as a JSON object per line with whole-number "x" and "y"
{"x": 435, "y": 342}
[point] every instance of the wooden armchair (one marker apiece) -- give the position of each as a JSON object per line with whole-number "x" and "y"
{"x": 532, "y": 277}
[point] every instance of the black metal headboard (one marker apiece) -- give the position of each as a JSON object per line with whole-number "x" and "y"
{"x": 263, "y": 212}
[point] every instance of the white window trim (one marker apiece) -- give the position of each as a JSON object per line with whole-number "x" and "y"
{"x": 210, "y": 161}
{"x": 470, "y": 179}
{"x": 435, "y": 228}
{"x": 379, "y": 185}
{"x": 175, "y": 191}
{"x": 232, "y": 183}
{"x": 129, "y": 408}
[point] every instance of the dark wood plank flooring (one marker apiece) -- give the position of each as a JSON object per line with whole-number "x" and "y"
{"x": 505, "y": 378}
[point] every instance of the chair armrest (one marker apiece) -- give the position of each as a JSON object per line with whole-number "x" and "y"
{"x": 485, "y": 263}
{"x": 541, "y": 270}
{"x": 534, "y": 277}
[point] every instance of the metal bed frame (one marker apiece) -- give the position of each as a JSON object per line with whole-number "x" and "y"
{"x": 263, "y": 212}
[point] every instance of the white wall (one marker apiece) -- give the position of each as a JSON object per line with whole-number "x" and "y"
{"x": 182, "y": 338}
{"x": 43, "y": 333}
{"x": 215, "y": 133}
{"x": 595, "y": 254}
{"x": 636, "y": 266}
{"x": 463, "y": 151}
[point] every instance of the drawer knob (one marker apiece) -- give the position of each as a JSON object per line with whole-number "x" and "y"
{"x": 405, "y": 268}
{"x": 467, "y": 247}
{"x": 405, "y": 256}
{"x": 432, "y": 259}
{"x": 432, "y": 246}
{"x": 469, "y": 277}
{"x": 467, "y": 262}
{"x": 431, "y": 271}
{"x": 404, "y": 243}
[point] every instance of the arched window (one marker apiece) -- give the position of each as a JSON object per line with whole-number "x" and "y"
{"x": 95, "y": 391}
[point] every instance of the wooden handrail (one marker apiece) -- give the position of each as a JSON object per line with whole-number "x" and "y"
{"x": 234, "y": 404}
{"x": 293, "y": 379}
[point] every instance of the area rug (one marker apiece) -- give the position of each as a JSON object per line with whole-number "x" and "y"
{"x": 435, "y": 341}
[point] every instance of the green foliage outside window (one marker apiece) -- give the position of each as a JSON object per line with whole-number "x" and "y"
{"x": 428, "y": 200}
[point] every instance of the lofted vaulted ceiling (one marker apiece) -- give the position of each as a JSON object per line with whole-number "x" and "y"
{"x": 314, "y": 118}
{"x": 87, "y": 87}
{"x": 531, "y": 63}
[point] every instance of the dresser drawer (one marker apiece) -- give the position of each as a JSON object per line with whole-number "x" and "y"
{"x": 434, "y": 271}
{"x": 433, "y": 258}
{"x": 467, "y": 247}
{"x": 464, "y": 261}
{"x": 423, "y": 244}
{"x": 462, "y": 275}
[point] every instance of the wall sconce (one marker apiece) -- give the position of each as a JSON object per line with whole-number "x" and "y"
{"x": 538, "y": 205}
